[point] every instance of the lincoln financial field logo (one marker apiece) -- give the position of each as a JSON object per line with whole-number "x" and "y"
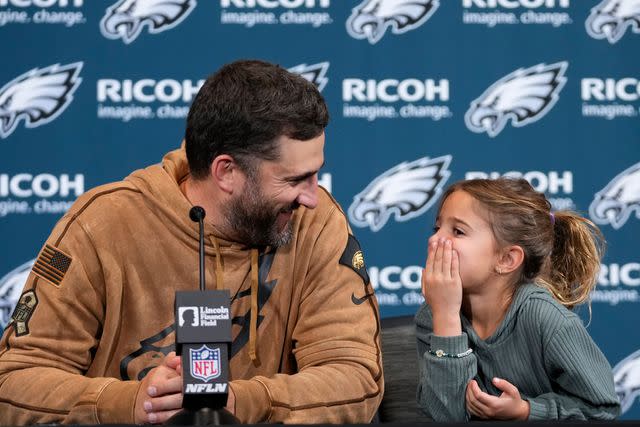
{"x": 618, "y": 200}
{"x": 406, "y": 191}
{"x": 611, "y": 19}
{"x": 126, "y": 18}
{"x": 372, "y": 18}
{"x": 38, "y": 96}
{"x": 523, "y": 96}
{"x": 11, "y": 285}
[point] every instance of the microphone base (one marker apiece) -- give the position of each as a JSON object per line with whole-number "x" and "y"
{"x": 202, "y": 417}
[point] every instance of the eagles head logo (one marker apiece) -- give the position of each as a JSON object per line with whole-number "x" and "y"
{"x": 371, "y": 18}
{"x": 615, "y": 203}
{"x": 610, "y": 19}
{"x": 37, "y": 96}
{"x": 524, "y": 96}
{"x": 315, "y": 73}
{"x": 11, "y": 286}
{"x": 626, "y": 378}
{"x": 406, "y": 190}
{"x": 125, "y": 19}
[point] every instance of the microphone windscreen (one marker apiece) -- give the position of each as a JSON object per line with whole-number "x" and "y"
{"x": 196, "y": 213}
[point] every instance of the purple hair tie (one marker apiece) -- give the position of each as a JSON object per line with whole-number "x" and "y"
{"x": 553, "y": 218}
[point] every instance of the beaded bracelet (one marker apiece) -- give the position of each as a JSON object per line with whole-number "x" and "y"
{"x": 441, "y": 353}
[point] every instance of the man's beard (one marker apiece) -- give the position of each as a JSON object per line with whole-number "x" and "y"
{"x": 252, "y": 218}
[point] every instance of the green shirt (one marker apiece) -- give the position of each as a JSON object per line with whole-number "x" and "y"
{"x": 540, "y": 347}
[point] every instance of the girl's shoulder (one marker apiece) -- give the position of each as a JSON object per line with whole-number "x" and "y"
{"x": 539, "y": 307}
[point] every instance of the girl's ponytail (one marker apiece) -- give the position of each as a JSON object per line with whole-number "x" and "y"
{"x": 572, "y": 269}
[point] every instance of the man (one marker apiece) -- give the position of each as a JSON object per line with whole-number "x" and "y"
{"x": 91, "y": 338}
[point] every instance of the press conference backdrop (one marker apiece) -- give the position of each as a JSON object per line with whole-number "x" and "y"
{"x": 422, "y": 93}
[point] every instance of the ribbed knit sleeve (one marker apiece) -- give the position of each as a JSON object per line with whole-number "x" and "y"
{"x": 442, "y": 381}
{"x": 580, "y": 374}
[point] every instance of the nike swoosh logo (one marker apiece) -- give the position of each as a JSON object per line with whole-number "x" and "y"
{"x": 358, "y": 301}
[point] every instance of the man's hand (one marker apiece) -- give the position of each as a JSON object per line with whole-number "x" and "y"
{"x": 509, "y": 406}
{"x": 160, "y": 394}
{"x": 442, "y": 287}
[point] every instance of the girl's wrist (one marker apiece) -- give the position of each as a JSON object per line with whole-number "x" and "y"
{"x": 447, "y": 324}
{"x": 525, "y": 410}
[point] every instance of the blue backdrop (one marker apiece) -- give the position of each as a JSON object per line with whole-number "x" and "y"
{"x": 422, "y": 93}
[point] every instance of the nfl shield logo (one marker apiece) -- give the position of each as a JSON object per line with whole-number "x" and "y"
{"x": 205, "y": 363}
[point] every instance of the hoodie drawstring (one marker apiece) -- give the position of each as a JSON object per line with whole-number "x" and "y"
{"x": 253, "y": 325}
{"x": 253, "y": 330}
{"x": 219, "y": 264}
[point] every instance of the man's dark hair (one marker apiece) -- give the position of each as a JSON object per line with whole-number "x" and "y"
{"x": 241, "y": 110}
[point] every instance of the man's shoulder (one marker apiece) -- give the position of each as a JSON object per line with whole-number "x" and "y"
{"x": 105, "y": 201}
{"x": 326, "y": 208}
{"x": 326, "y": 198}
{"x": 325, "y": 223}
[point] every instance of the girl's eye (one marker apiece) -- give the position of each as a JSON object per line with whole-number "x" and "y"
{"x": 435, "y": 229}
{"x": 458, "y": 232}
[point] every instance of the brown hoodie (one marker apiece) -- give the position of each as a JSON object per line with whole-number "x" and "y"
{"x": 97, "y": 311}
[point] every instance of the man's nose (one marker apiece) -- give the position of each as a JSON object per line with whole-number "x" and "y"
{"x": 309, "y": 195}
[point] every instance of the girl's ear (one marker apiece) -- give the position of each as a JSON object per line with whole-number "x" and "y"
{"x": 511, "y": 259}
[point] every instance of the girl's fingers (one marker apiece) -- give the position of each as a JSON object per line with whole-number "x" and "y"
{"x": 487, "y": 400}
{"x": 507, "y": 387}
{"x": 480, "y": 408}
{"x": 455, "y": 264}
{"x": 474, "y": 409}
{"x": 437, "y": 262}
{"x": 430, "y": 255}
{"x": 469, "y": 399}
{"x": 446, "y": 259}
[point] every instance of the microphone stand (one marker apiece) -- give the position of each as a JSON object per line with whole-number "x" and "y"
{"x": 194, "y": 413}
{"x": 203, "y": 417}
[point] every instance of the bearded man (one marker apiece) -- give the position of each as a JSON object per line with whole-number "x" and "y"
{"x": 91, "y": 339}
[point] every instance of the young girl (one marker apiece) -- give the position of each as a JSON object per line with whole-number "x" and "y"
{"x": 496, "y": 338}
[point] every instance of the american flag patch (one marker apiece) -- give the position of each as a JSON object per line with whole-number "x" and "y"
{"x": 51, "y": 265}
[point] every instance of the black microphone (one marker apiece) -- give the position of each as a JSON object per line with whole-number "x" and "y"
{"x": 203, "y": 336}
{"x": 197, "y": 214}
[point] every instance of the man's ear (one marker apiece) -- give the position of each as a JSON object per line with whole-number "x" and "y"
{"x": 224, "y": 172}
{"x": 510, "y": 260}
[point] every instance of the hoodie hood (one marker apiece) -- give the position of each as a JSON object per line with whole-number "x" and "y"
{"x": 160, "y": 185}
